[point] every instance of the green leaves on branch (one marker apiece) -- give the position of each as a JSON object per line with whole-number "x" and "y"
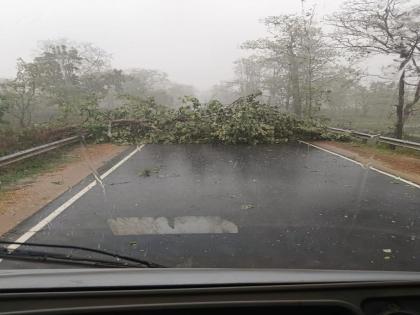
{"x": 246, "y": 121}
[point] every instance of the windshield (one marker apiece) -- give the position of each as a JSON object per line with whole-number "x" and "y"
{"x": 221, "y": 134}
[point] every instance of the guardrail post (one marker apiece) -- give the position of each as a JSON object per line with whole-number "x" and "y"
{"x": 109, "y": 132}
{"x": 373, "y": 140}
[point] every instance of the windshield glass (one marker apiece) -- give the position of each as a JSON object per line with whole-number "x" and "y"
{"x": 225, "y": 134}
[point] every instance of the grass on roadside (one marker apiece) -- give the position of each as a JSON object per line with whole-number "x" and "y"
{"x": 385, "y": 149}
{"x": 27, "y": 169}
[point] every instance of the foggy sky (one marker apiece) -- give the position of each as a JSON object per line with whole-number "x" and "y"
{"x": 194, "y": 41}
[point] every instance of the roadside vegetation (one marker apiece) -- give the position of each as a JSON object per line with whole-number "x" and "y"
{"x": 380, "y": 148}
{"x": 14, "y": 174}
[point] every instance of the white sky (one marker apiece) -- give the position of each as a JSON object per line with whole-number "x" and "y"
{"x": 194, "y": 41}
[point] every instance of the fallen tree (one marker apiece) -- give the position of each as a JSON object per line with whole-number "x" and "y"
{"x": 247, "y": 121}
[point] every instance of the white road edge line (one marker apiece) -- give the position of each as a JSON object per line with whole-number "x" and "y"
{"x": 333, "y": 153}
{"x": 395, "y": 177}
{"x": 361, "y": 165}
{"x": 41, "y": 224}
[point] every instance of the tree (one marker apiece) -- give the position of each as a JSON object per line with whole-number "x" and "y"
{"x": 59, "y": 77}
{"x": 145, "y": 83}
{"x": 223, "y": 92}
{"x": 249, "y": 74}
{"x": 295, "y": 57}
{"x": 3, "y": 107}
{"x": 318, "y": 62}
{"x": 93, "y": 59}
{"x": 176, "y": 92}
{"x": 385, "y": 27}
{"x": 76, "y": 76}
{"x": 19, "y": 96}
{"x": 100, "y": 83}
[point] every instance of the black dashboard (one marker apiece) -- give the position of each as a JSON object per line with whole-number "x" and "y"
{"x": 311, "y": 296}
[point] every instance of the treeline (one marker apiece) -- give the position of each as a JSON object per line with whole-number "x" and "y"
{"x": 67, "y": 81}
{"x": 317, "y": 68}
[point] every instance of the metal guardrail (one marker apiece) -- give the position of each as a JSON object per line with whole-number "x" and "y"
{"x": 21, "y": 155}
{"x": 353, "y": 132}
{"x": 378, "y": 138}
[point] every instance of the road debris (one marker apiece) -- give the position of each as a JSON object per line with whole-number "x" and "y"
{"x": 147, "y": 172}
{"x": 247, "y": 206}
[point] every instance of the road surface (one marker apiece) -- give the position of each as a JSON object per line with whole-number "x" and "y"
{"x": 265, "y": 206}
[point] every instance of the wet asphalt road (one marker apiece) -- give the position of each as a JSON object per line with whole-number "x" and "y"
{"x": 287, "y": 206}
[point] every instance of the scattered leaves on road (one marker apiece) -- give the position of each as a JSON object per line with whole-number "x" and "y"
{"x": 147, "y": 172}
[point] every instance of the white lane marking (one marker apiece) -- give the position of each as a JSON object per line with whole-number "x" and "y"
{"x": 36, "y": 228}
{"x": 369, "y": 167}
{"x": 395, "y": 177}
{"x": 333, "y": 153}
{"x": 179, "y": 225}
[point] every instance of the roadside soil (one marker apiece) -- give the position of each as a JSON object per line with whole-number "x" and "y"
{"x": 401, "y": 164}
{"x": 31, "y": 194}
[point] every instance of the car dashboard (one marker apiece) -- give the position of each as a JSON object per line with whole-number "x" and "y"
{"x": 183, "y": 291}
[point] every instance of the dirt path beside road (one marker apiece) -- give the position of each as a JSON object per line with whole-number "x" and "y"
{"x": 31, "y": 194}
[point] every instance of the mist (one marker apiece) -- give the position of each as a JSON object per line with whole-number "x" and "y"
{"x": 195, "y": 42}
